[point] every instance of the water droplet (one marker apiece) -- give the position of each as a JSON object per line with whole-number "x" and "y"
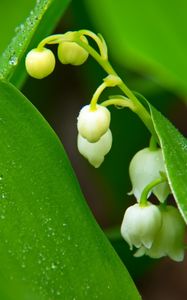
{"x": 3, "y": 196}
{"x": 23, "y": 265}
{"x": 17, "y": 29}
{"x": 1, "y": 177}
{"x": 53, "y": 266}
{"x": 22, "y": 27}
{"x": 13, "y": 60}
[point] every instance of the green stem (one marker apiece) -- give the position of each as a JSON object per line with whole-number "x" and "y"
{"x": 153, "y": 144}
{"x": 102, "y": 46}
{"x": 118, "y": 102}
{"x": 96, "y": 95}
{"x": 137, "y": 107}
{"x": 148, "y": 188}
{"x": 52, "y": 39}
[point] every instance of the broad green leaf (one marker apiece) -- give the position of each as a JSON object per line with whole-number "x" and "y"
{"x": 174, "y": 147}
{"x": 39, "y": 23}
{"x": 146, "y": 35}
{"x": 50, "y": 246}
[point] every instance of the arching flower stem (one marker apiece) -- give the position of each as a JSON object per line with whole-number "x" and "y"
{"x": 149, "y": 187}
{"x": 136, "y": 106}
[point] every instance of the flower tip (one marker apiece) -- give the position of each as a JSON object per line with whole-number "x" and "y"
{"x": 130, "y": 193}
{"x": 177, "y": 256}
{"x": 147, "y": 244}
{"x": 140, "y": 252}
{"x": 95, "y": 152}
{"x": 96, "y": 163}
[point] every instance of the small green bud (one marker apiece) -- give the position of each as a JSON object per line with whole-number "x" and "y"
{"x": 92, "y": 124}
{"x": 169, "y": 239}
{"x": 95, "y": 152}
{"x": 144, "y": 168}
{"x": 140, "y": 225}
{"x": 112, "y": 80}
{"x": 72, "y": 53}
{"x": 40, "y": 62}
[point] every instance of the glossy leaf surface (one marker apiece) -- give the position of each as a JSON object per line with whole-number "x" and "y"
{"x": 174, "y": 147}
{"x": 51, "y": 246}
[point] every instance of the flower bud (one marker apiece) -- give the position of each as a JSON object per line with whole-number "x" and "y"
{"x": 140, "y": 225}
{"x": 169, "y": 239}
{"x": 92, "y": 124}
{"x": 72, "y": 53}
{"x": 144, "y": 168}
{"x": 95, "y": 152}
{"x": 40, "y": 62}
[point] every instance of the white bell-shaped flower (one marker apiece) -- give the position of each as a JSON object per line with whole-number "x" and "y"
{"x": 92, "y": 124}
{"x": 95, "y": 152}
{"x": 144, "y": 168}
{"x": 141, "y": 224}
{"x": 169, "y": 240}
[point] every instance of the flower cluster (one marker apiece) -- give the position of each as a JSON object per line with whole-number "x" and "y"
{"x": 94, "y": 136}
{"x": 156, "y": 231}
{"x": 169, "y": 239}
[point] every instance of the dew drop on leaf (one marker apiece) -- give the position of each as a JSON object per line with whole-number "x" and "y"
{"x": 13, "y": 61}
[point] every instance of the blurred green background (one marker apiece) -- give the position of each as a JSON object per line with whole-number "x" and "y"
{"x": 147, "y": 47}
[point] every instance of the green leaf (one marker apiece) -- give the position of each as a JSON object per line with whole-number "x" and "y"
{"x": 11, "y": 16}
{"x": 50, "y": 246}
{"x": 40, "y": 22}
{"x": 174, "y": 147}
{"x": 146, "y": 35}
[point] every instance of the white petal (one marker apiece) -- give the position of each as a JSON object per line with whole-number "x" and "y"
{"x": 170, "y": 239}
{"x": 140, "y": 252}
{"x": 93, "y": 124}
{"x": 141, "y": 224}
{"x": 95, "y": 152}
{"x": 144, "y": 168}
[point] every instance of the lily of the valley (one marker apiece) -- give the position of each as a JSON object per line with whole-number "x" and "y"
{"x": 144, "y": 168}
{"x": 95, "y": 152}
{"x": 140, "y": 225}
{"x": 169, "y": 240}
{"x": 92, "y": 124}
